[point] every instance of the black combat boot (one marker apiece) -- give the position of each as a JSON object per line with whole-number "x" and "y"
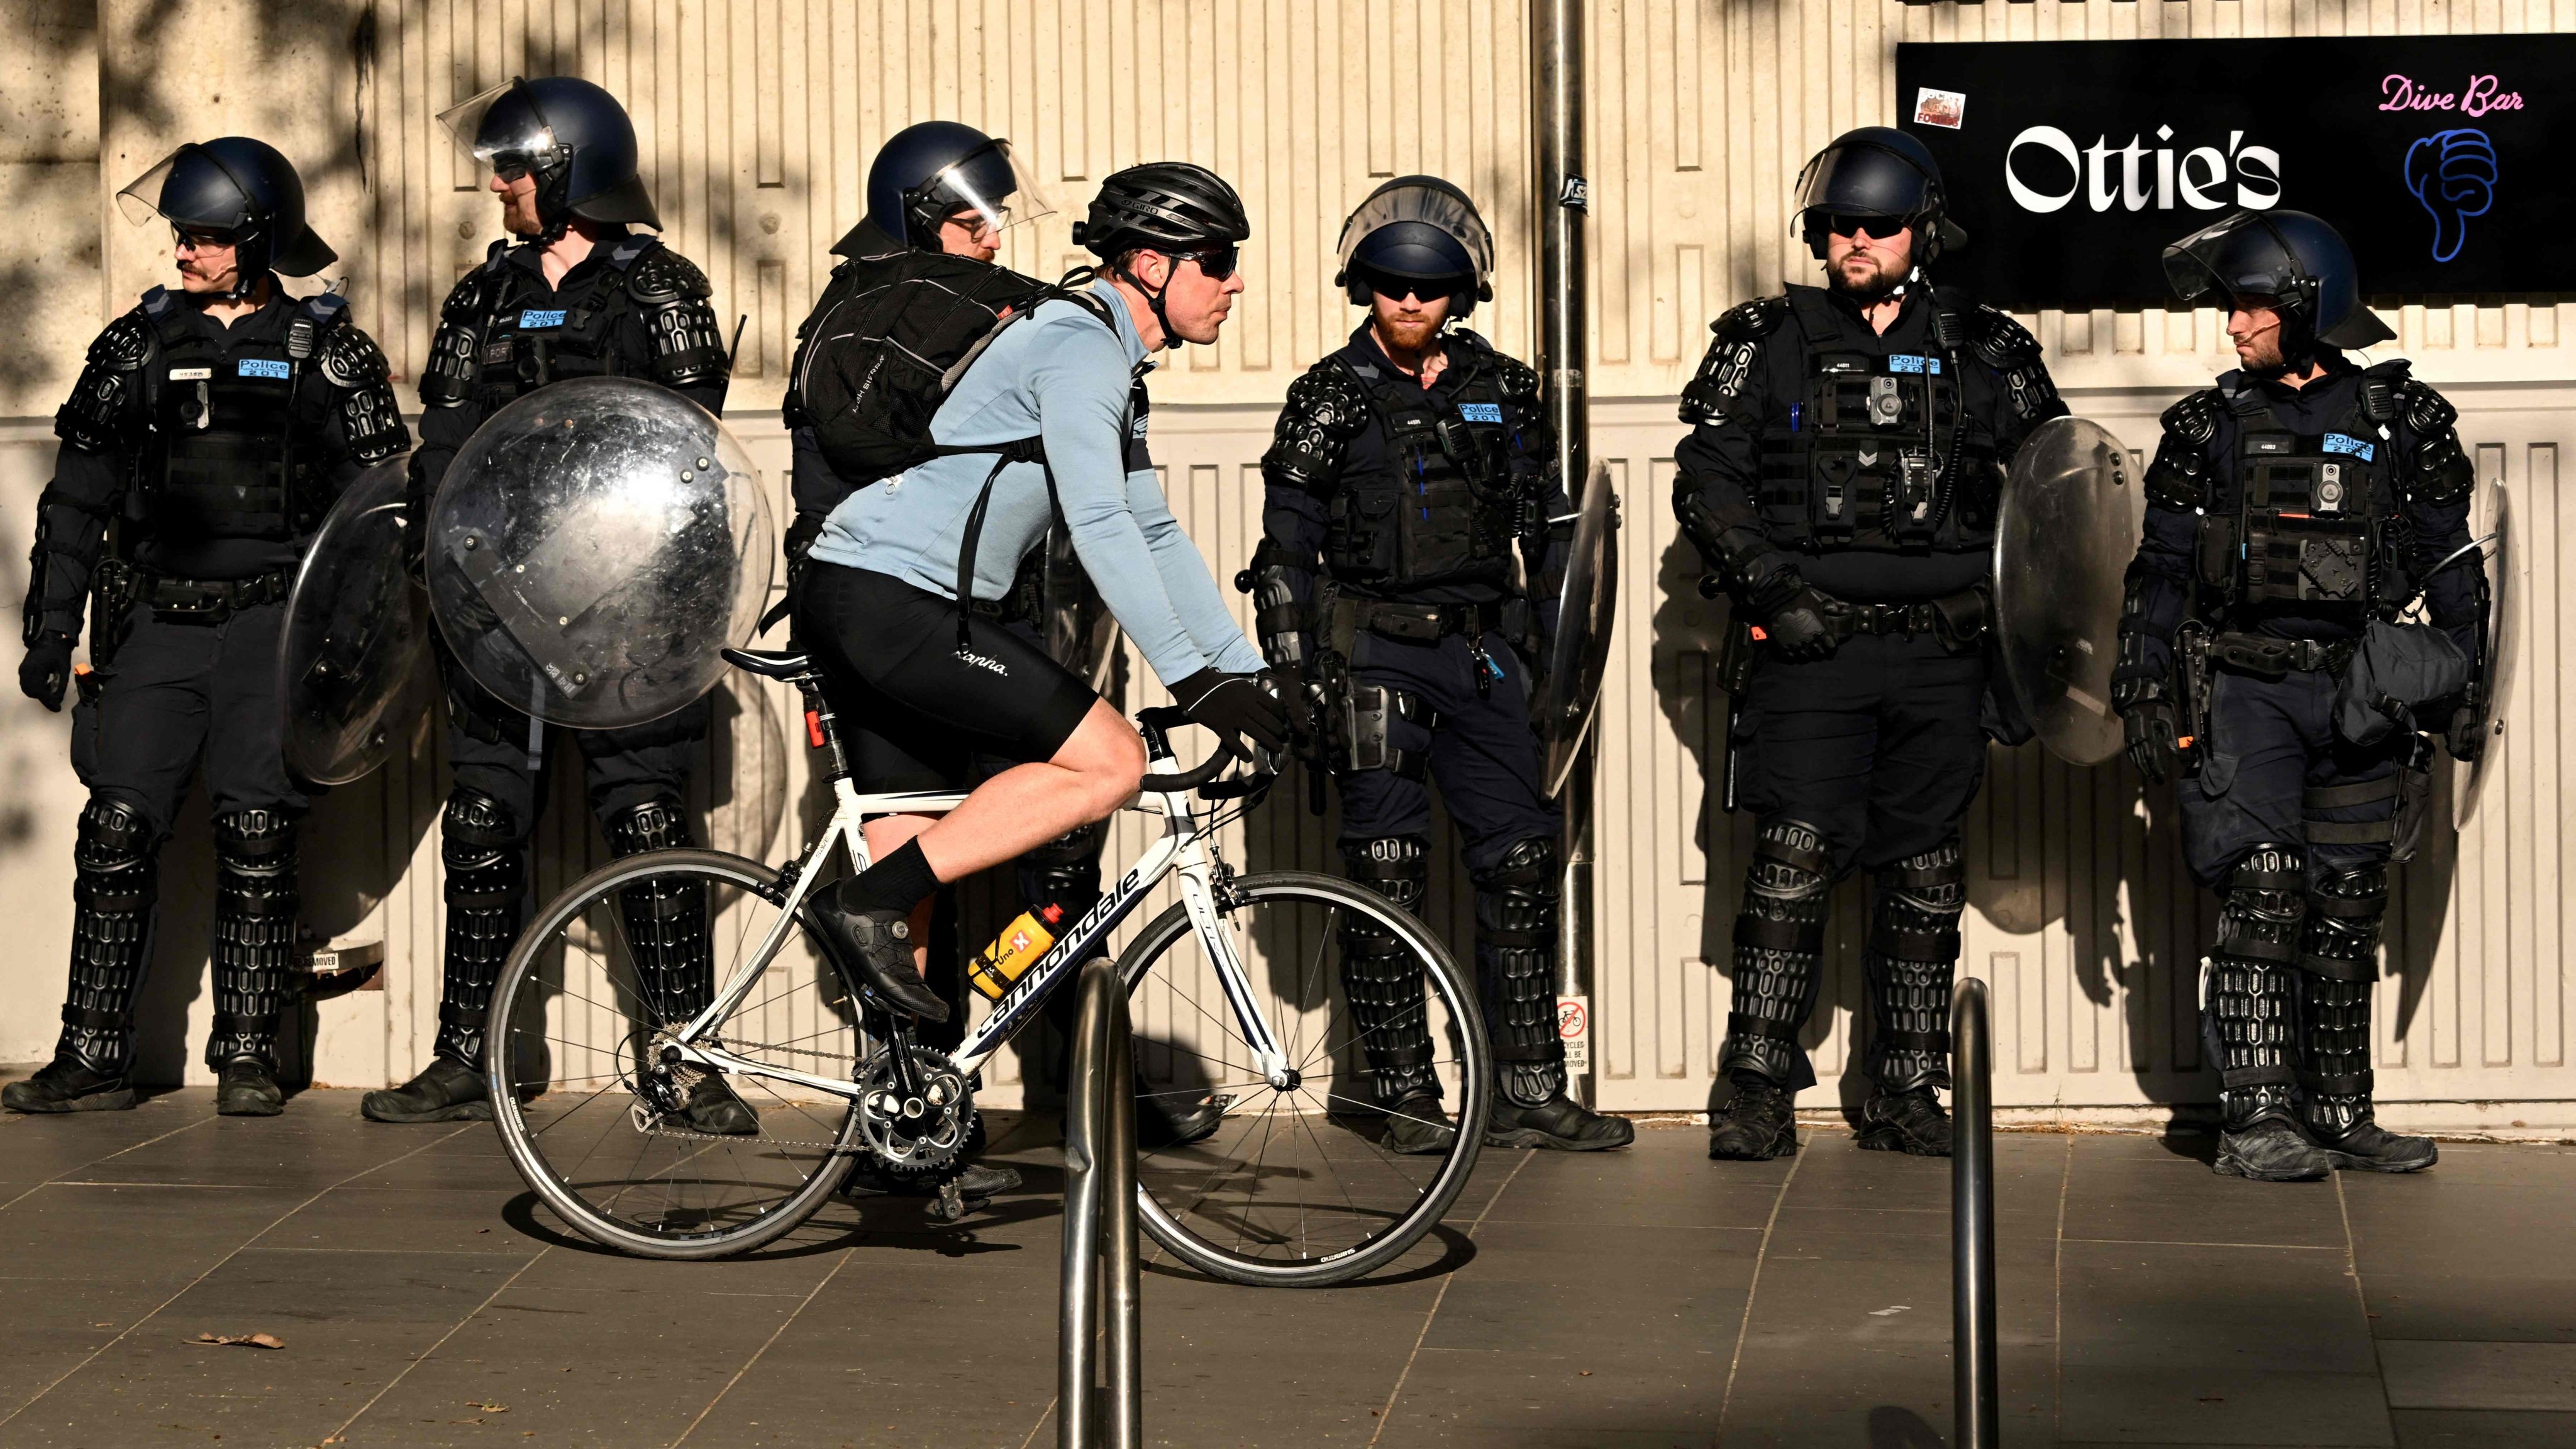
{"x": 1383, "y": 982}
{"x": 2246, "y": 1024}
{"x": 1912, "y": 958}
{"x": 446, "y": 1090}
{"x": 2338, "y": 963}
{"x": 1910, "y": 1122}
{"x": 714, "y": 1109}
{"x": 115, "y": 882}
{"x": 1418, "y": 1126}
{"x": 1516, "y": 902}
{"x": 247, "y": 1087}
{"x": 255, "y": 906}
{"x": 1757, "y": 1124}
{"x": 66, "y": 1084}
{"x": 484, "y": 847}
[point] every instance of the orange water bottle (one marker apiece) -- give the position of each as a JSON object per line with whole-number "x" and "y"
{"x": 1012, "y": 953}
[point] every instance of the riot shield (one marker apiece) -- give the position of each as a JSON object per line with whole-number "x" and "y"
{"x": 2500, "y": 645}
{"x": 353, "y": 659}
{"x": 1579, "y": 655}
{"x": 2069, "y": 524}
{"x": 593, "y": 547}
{"x": 1080, "y": 633}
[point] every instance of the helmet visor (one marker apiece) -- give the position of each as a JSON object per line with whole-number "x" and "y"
{"x": 987, "y": 189}
{"x": 1858, "y": 179}
{"x": 503, "y": 130}
{"x": 207, "y": 200}
{"x": 2239, "y": 255}
{"x": 1431, "y": 202}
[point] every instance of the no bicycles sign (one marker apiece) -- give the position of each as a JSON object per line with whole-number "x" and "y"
{"x": 1574, "y": 1028}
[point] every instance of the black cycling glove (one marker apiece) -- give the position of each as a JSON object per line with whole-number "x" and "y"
{"x": 1235, "y": 706}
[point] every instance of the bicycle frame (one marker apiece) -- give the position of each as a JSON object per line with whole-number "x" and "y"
{"x": 1181, "y": 848}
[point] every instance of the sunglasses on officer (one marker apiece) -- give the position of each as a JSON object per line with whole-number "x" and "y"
{"x": 1421, "y": 289}
{"x": 200, "y": 238}
{"x": 1853, "y": 223}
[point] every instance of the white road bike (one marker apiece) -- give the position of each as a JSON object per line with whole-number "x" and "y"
{"x": 670, "y": 979}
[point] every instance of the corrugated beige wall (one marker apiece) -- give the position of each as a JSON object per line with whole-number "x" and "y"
{"x": 758, "y": 118}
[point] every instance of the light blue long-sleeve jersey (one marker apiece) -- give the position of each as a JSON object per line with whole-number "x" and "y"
{"x": 1062, "y": 376}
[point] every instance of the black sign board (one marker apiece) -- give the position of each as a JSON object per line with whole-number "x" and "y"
{"x": 2072, "y": 163}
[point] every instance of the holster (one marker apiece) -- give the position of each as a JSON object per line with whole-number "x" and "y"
{"x": 111, "y": 608}
{"x": 1368, "y": 714}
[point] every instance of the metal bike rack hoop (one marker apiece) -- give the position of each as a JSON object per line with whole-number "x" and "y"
{"x": 1100, "y": 1266}
{"x": 1972, "y": 1220}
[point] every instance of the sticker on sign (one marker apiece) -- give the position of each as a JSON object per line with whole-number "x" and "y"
{"x": 1574, "y": 1028}
{"x": 1946, "y": 109}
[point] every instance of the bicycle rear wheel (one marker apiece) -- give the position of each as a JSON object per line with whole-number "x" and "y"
{"x": 1297, "y": 1186}
{"x": 629, "y": 1151}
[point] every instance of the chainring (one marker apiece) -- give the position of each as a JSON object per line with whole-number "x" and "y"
{"x": 916, "y": 1134}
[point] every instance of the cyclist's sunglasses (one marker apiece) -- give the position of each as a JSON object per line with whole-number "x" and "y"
{"x": 1216, "y": 263}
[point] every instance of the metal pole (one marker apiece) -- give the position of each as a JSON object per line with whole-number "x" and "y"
{"x": 1100, "y": 1194}
{"x": 1972, "y": 1221}
{"x": 1556, "y": 75}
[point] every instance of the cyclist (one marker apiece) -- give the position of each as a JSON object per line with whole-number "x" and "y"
{"x": 1050, "y": 420}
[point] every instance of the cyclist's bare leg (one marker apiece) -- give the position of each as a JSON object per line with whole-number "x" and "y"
{"x": 886, "y": 835}
{"x": 1091, "y": 776}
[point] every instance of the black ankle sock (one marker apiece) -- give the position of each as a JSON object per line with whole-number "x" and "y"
{"x": 897, "y": 883}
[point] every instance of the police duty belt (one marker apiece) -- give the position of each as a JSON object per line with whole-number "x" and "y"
{"x": 120, "y": 584}
{"x": 2271, "y": 658}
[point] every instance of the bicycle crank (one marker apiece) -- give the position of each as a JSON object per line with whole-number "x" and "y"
{"x": 921, "y": 1129}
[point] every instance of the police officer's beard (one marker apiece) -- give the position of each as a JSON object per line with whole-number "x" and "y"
{"x": 1880, "y": 284}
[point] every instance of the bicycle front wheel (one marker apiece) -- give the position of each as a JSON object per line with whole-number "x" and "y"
{"x": 1335, "y": 1164}
{"x": 631, "y": 1150}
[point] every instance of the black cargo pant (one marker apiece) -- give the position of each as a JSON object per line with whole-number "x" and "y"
{"x": 175, "y": 690}
{"x": 1866, "y": 759}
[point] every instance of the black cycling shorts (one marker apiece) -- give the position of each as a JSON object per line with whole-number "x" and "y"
{"x": 915, "y": 711}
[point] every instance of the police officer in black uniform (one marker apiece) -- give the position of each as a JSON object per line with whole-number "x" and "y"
{"x": 2302, "y": 502}
{"x": 1408, "y": 477}
{"x": 204, "y": 441}
{"x": 1840, "y": 481}
{"x": 573, "y": 292}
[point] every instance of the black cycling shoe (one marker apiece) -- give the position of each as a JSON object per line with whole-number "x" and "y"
{"x": 1416, "y": 1127}
{"x": 1757, "y": 1125}
{"x": 445, "y": 1091}
{"x": 248, "y": 1088}
{"x": 64, "y": 1085}
{"x": 714, "y": 1109}
{"x": 878, "y": 946}
{"x": 1560, "y": 1123}
{"x": 2269, "y": 1149}
{"x": 1908, "y": 1122}
{"x": 2369, "y": 1147}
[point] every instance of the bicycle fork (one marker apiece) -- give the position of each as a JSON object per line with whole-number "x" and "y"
{"x": 1200, "y": 887}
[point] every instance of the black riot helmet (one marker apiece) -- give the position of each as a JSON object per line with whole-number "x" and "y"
{"x": 238, "y": 188}
{"x": 927, "y": 173}
{"x": 1883, "y": 174}
{"x": 2290, "y": 256}
{"x": 573, "y": 137}
{"x": 1418, "y": 229}
{"x": 1172, "y": 207}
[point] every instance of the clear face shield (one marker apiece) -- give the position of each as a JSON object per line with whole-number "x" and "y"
{"x": 208, "y": 208}
{"x": 987, "y": 189}
{"x": 1433, "y": 202}
{"x": 2239, "y": 255}
{"x": 504, "y": 132}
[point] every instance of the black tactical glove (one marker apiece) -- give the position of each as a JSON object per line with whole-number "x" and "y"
{"x": 1798, "y": 629}
{"x": 1290, "y": 686}
{"x": 47, "y": 670}
{"x": 1234, "y": 706}
{"x": 2154, "y": 738}
{"x": 2467, "y": 736}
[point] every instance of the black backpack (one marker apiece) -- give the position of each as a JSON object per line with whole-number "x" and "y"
{"x": 872, "y": 361}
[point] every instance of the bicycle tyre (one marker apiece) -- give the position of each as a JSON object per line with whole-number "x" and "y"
{"x": 1443, "y": 977}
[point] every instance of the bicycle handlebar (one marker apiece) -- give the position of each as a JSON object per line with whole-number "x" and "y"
{"x": 1157, "y": 723}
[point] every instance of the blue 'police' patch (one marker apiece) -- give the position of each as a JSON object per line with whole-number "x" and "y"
{"x": 1481, "y": 412}
{"x": 265, "y": 367}
{"x": 532, "y": 319}
{"x": 1907, "y": 362}
{"x": 2345, "y": 443}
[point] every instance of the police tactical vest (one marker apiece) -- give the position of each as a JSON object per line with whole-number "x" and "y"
{"x": 1448, "y": 507}
{"x": 2309, "y": 510}
{"x": 226, "y": 413}
{"x": 1880, "y": 453}
{"x": 528, "y": 336}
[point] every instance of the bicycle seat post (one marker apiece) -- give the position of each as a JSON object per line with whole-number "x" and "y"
{"x": 822, "y": 729}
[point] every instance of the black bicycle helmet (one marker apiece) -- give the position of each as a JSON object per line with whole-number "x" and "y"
{"x": 239, "y": 187}
{"x": 1164, "y": 206}
{"x": 2295, "y": 258}
{"x": 1877, "y": 171}
{"x": 569, "y": 134}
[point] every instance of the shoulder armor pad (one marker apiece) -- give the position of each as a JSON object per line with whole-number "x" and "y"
{"x": 1329, "y": 397}
{"x": 662, "y": 276}
{"x": 156, "y": 300}
{"x": 327, "y": 309}
{"x": 2427, "y": 412}
{"x": 1519, "y": 380}
{"x": 1751, "y": 321}
{"x": 350, "y": 358}
{"x": 124, "y": 345}
{"x": 2195, "y": 418}
{"x": 2000, "y": 340}
{"x": 465, "y": 301}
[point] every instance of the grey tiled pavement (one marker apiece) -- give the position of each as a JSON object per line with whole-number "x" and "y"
{"x": 1632, "y": 1301}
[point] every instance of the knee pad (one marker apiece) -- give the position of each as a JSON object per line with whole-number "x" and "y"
{"x": 1789, "y": 863}
{"x": 1516, "y": 898}
{"x": 255, "y": 863}
{"x": 484, "y": 848}
{"x": 2345, "y": 909}
{"x": 1934, "y": 882}
{"x": 2265, "y": 902}
{"x": 113, "y": 856}
{"x": 1397, "y": 867}
{"x": 657, "y": 824}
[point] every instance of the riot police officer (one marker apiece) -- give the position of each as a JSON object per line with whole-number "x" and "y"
{"x": 572, "y": 292}
{"x": 204, "y": 441}
{"x": 1840, "y": 481}
{"x": 1407, "y": 492}
{"x": 2294, "y": 510}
